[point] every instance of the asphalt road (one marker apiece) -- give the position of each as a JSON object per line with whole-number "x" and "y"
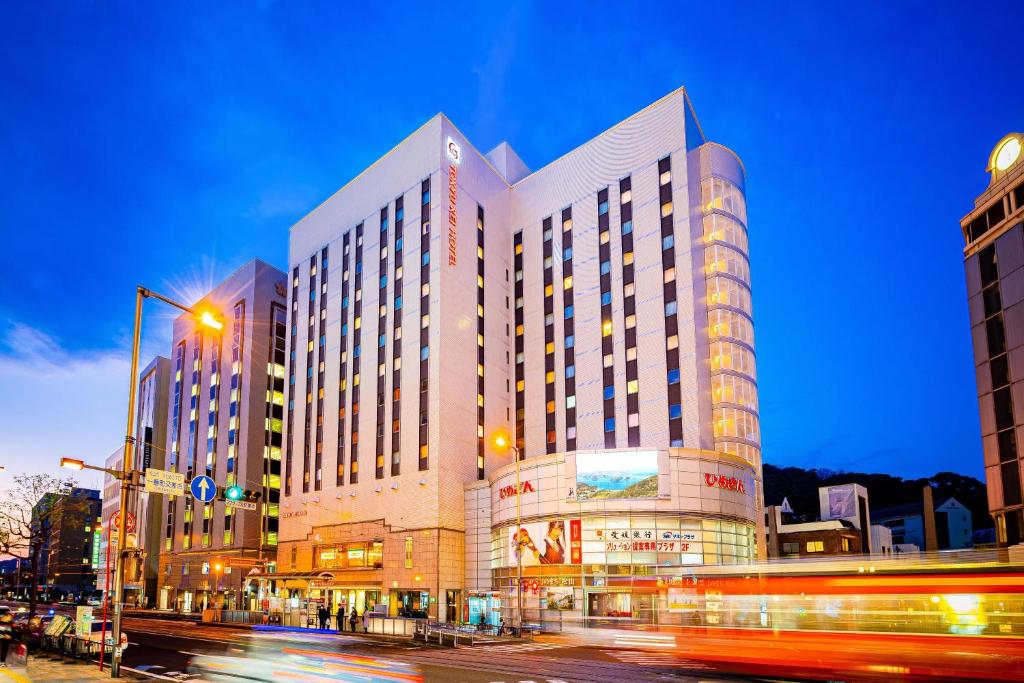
{"x": 164, "y": 648}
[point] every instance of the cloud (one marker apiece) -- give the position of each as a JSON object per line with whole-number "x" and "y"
{"x": 55, "y": 402}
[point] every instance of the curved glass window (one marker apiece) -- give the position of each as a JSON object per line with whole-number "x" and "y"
{"x": 727, "y": 388}
{"x": 736, "y": 423}
{"x": 751, "y": 454}
{"x": 730, "y": 356}
{"x": 723, "y": 291}
{"x": 719, "y": 258}
{"x": 724, "y": 322}
{"x": 719, "y": 193}
{"x": 725, "y": 229}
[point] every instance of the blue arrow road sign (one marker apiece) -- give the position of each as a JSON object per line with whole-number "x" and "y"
{"x": 203, "y": 489}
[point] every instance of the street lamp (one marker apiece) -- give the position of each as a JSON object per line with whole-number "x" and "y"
{"x": 206, "y": 318}
{"x": 502, "y": 442}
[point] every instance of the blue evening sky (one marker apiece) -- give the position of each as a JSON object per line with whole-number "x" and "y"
{"x": 168, "y": 143}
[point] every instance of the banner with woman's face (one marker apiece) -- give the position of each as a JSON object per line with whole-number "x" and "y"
{"x": 539, "y": 543}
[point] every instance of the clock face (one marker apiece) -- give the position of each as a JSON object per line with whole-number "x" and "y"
{"x": 1008, "y": 154}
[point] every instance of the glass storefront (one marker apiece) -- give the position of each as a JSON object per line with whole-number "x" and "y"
{"x": 615, "y": 567}
{"x": 627, "y": 540}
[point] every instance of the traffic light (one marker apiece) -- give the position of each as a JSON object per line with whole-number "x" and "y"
{"x": 236, "y": 493}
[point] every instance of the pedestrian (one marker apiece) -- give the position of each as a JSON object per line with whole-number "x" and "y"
{"x": 352, "y": 619}
{"x": 366, "y": 620}
{"x": 340, "y": 616}
{"x": 6, "y": 634}
{"x": 501, "y": 627}
{"x": 322, "y": 615}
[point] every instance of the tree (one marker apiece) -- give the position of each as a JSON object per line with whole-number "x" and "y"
{"x": 28, "y": 511}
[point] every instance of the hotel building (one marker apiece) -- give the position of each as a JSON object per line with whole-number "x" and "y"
{"x": 994, "y": 262}
{"x": 224, "y": 420}
{"x": 597, "y": 310}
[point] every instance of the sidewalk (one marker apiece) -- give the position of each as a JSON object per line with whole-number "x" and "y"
{"x": 46, "y": 669}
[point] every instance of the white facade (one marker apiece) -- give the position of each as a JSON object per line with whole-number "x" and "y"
{"x": 599, "y": 303}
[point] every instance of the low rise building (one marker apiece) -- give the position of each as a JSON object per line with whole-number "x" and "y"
{"x": 953, "y": 524}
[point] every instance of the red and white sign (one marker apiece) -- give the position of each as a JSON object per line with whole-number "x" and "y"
{"x": 509, "y": 491}
{"x": 723, "y": 482}
{"x": 575, "y": 541}
{"x": 115, "y": 522}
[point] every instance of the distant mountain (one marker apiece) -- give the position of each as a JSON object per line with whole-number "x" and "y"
{"x": 800, "y": 486}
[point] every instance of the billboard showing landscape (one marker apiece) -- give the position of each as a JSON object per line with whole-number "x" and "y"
{"x": 632, "y": 474}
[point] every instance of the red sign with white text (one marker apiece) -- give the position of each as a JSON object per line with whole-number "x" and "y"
{"x": 575, "y": 541}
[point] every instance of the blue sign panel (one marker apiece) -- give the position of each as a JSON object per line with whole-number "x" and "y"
{"x": 203, "y": 489}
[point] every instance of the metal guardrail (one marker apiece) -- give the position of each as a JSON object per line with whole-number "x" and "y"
{"x": 466, "y": 634}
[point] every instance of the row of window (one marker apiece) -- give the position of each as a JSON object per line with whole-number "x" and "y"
{"x": 271, "y": 480}
{"x": 730, "y": 328}
{"x": 996, "y": 214}
{"x": 1002, "y": 395}
{"x": 480, "y": 427}
{"x": 520, "y": 373}
{"x": 668, "y": 264}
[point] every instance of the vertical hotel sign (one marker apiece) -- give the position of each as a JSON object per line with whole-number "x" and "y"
{"x": 454, "y": 157}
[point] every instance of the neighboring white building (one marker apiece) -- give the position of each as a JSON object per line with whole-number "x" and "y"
{"x": 881, "y": 540}
{"x": 598, "y": 310}
{"x": 848, "y": 502}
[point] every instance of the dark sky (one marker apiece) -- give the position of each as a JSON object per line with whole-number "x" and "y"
{"x": 167, "y": 143}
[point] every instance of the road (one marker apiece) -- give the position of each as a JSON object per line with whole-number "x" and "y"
{"x": 164, "y": 647}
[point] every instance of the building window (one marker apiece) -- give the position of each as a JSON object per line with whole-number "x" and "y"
{"x": 408, "y": 552}
{"x": 357, "y": 312}
{"x": 424, "y": 403}
{"x": 816, "y": 546}
{"x": 520, "y": 397}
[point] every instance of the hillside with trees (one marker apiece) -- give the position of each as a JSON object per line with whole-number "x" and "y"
{"x": 800, "y": 486}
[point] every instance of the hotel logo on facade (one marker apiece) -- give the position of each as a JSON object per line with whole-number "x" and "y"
{"x": 455, "y": 155}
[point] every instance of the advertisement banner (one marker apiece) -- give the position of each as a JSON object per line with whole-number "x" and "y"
{"x": 682, "y": 599}
{"x": 841, "y": 502}
{"x": 632, "y": 475}
{"x": 542, "y": 543}
{"x": 561, "y": 598}
{"x": 575, "y": 541}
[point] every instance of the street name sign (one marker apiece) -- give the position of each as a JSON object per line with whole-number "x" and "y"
{"x": 162, "y": 481}
{"x": 203, "y": 489}
{"x": 240, "y": 504}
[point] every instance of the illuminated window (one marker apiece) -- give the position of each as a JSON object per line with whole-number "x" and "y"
{"x": 666, "y": 177}
{"x": 567, "y": 282}
{"x": 815, "y": 546}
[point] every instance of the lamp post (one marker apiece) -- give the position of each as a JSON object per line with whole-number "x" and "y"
{"x": 129, "y": 477}
{"x": 503, "y": 441}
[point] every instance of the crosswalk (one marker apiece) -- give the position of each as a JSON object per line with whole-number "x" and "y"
{"x": 520, "y": 647}
{"x": 656, "y": 660}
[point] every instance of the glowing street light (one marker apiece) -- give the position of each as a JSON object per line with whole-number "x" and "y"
{"x": 502, "y": 442}
{"x": 129, "y": 477}
{"x": 72, "y": 464}
{"x": 210, "y": 320}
